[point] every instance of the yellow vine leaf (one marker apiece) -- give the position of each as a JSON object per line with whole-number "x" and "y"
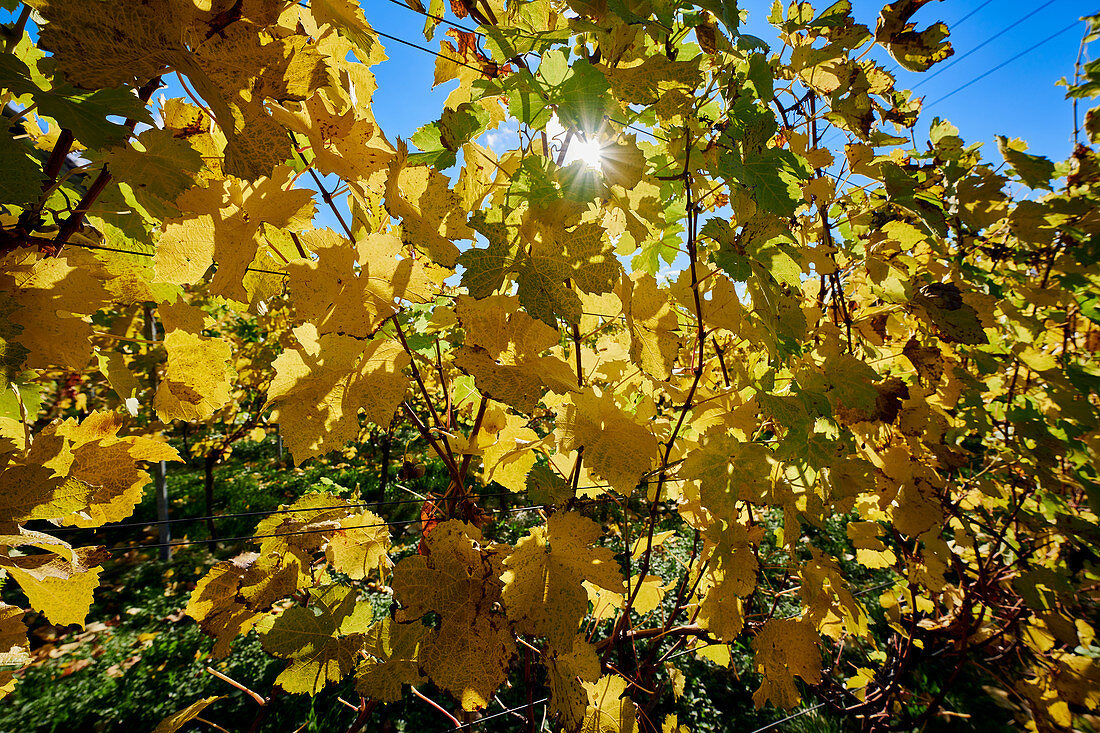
{"x": 349, "y": 144}
{"x": 233, "y": 595}
{"x": 183, "y": 316}
{"x": 431, "y": 212}
{"x": 116, "y": 43}
{"x": 609, "y": 708}
{"x": 582, "y": 255}
{"x": 871, "y": 552}
{"x": 720, "y": 304}
{"x": 224, "y": 226}
{"x": 332, "y": 291}
{"x": 109, "y": 466}
{"x": 829, "y": 602}
{"x": 198, "y": 379}
{"x": 917, "y": 508}
{"x": 510, "y": 457}
{"x": 643, "y": 83}
{"x": 393, "y": 650}
{"x": 321, "y": 385}
{"x": 504, "y": 350}
{"x": 606, "y": 603}
{"x": 180, "y": 718}
{"x": 785, "y": 649}
{"x": 616, "y": 446}
{"x": 30, "y": 490}
{"x": 215, "y": 606}
{"x": 543, "y": 594}
{"x": 317, "y": 521}
{"x": 59, "y": 587}
{"x": 54, "y": 296}
{"x": 112, "y": 365}
{"x": 322, "y": 640}
{"x": 672, "y": 723}
{"x": 468, "y": 654}
{"x": 728, "y": 471}
{"x": 652, "y": 323}
{"x": 359, "y": 545}
{"x": 392, "y": 275}
{"x": 347, "y": 17}
{"x": 13, "y": 646}
{"x": 566, "y": 672}
{"x": 731, "y": 576}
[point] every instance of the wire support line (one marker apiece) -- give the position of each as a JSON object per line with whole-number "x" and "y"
{"x": 425, "y": 49}
{"x": 152, "y": 254}
{"x": 983, "y": 44}
{"x": 451, "y": 23}
{"x": 954, "y": 25}
{"x": 268, "y": 513}
{"x": 360, "y": 505}
{"x": 789, "y": 718}
{"x": 509, "y": 711}
{"x": 1005, "y": 63}
{"x": 317, "y": 530}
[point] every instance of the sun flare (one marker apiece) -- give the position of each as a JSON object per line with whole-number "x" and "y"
{"x": 588, "y": 151}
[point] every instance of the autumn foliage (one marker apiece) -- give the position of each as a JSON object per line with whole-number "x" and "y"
{"x": 709, "y": 339}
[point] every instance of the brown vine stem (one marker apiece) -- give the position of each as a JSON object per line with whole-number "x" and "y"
{"x": 15, "y": 34}
{"x": 444, "y": 455}
{"x": 325, "y": 194}
{"x": 701, "y": 341}
{"x": 445, "y": 383}
{"x": 437, "y": 706}
{"x": 721, "y": 360}
{"x": 677, "y": 605}
{"x": 76, "y": 218}
{"x": 839, "y": 300}
{"x": 575, "y": 473}
{"x": 424, "y": 391}
{"x": 298, "y": 245}
{"x": 460, "y": 486}
{"x": 215, "y": 726}
{"x": 260, "y": 699}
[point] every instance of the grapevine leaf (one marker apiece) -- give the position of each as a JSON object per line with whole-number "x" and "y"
{"x": 161, "y": 170}
{"x": 469, "y": 653}
{"x": 321, "y": 385}
{"x": 543, "y": 594}
{"x": 430, "y": 211}
{"x": 58, "y": 587}
{"x": 914, "y": 50}
{"x": 216, "y": 607}
{"x": 347, "y": 17}
{"x": 956, "y": 320}
{"x": 785, "y": 649}
{"x": 567, "y": 672}
{"x": 728, "y": 471}
{"x": 509, "y": 460}
{"x": 1034, "y": 170}
{"x": 653, "y": 325}
{"x": 359, "y": 545}
{"x": 180, "y": 718}
{"x": 616, "y": 446}
{"x": 322, "y": 640}
{"x": 610, "y": 710}
{"x": 506, "y": 361}
{"x": 198, "y": 379}
{"x": 14, "y": 646}
{"x": 20, "y": 175}
{"x": 393, "y": 651}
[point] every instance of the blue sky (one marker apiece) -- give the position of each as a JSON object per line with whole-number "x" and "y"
{"x": 1019, "y": 100}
